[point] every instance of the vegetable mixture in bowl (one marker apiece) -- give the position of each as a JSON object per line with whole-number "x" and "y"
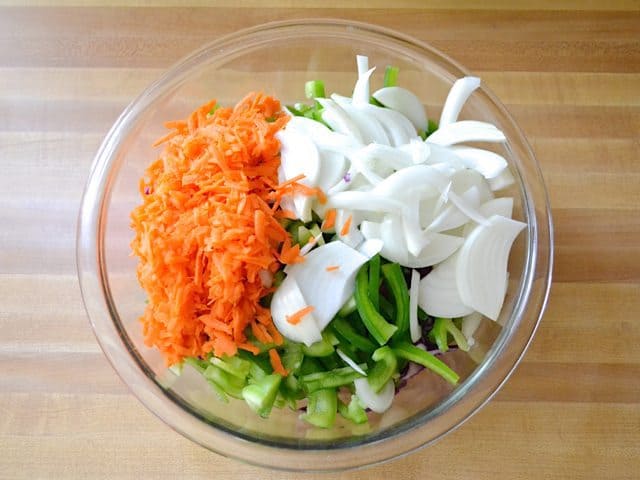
{"x": 320, "y": 271}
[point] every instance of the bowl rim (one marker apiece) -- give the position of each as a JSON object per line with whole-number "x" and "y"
{"x": 96, "y": 296}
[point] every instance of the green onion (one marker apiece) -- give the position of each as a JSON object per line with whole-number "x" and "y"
{"x": 314, "y": 89}
{"x": 390, "y": 76}
{"x": 394, "y": 277}
{"x": 383, "y": 370}
{"x": 322, "y": 408}
{"x": 379, "y": 328}
{"x": 414, "y": 354}
{"x": 260, "y": 396}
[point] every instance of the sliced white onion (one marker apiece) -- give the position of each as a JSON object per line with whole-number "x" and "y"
{"x": 322, "y": 136}
{"x": 498, "y": 206}
{"x": 470, "y": 324}
{"x": 393, "y": 158}
{"x": 504, "y": 180}
{"x": 451, "y": 216}
{"x": 466, "y": 131}
{"x": 414, "y": 292}
{"x": 489, "y": 164}
{"x": 377, "y": 402}
{"x": 405, "y": 102}
{"x": 353, "y": 237}
{"x": 420, "y": 151}
{"x": 364, "y": 201}
{"x": 333, "y": 166}
{"x": 395, "y": 245}
{"x": 370, "y": 230}
{"x": 458, "y": 95}
{"x": 327, "y": 291}
{"x": 370, "y": 247}
{"x": 467, "y": 208}
{"x": 299, "y": 155}
{"x": 361, "y": 90}
{"x": 422, "y": 180}
{"x": 338, "y": 119}
{"x": 399, "y": 128}
{"x": 482, "y": 264}
{"x": 287, "y": 300}
{"x": 462, "y": 180}
{"x": 440, "y": 247}
{"x": 439, "y": 295}
{"x": 350, "y": 362}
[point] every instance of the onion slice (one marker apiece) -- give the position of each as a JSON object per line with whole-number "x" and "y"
{"x": 287, "y": 300}
{"x": 414, "y": 292}
{"x": 377, "y": 402}
{"x": 439, "y": 295}
{"x": 482, "y": 264}
{"x": 405, "y": 102}
{"x": 350, "y": 362}
{"x": 466, "y": 131}
{"x": 458, "y": 95}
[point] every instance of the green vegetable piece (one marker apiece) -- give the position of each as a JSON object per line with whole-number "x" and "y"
{"x": 384, "y": 369}
{"x": 197, "y": 363}
{"x": 321, "y": 408}
{"x": 303, "y": 235}
{"x": 317, "y": 233}
{"x": 235, "y": 365}
{"x": 323, "y": 348}
{"x": 414, "y": 354}
{"x": 329, "y": 379}
{"x": 439, "y": 334}
{"x": 344, "y": 328}
{"x": 387, "y": 308}
{"x": 348, "y": 308}
{"x": 230, "y": 384}
{"x": 394, "y": 278}
{"x": 374, "y": 281}
{"x": 220, "y": 393}
{"x": 390, "y": 76}
{"x": 314, "y": 89}
{"x": 330, "y": 361}
{"x": 309, "y": 365}
{"x": 377, "y": 326}
{"x": 354, "y": 412}
{"x": 278, "y": 278}
{"x": 261, "y": 396}
{"x": 292, "y": 357}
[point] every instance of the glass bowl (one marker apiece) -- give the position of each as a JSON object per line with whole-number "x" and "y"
{"x": 278, "y": 58}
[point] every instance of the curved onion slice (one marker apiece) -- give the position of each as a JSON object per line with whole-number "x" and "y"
{"x": 498, "y": 206}
{"x": 361, "y": 88}
{"x": 327, "y": 291}
{"x": 482, "y": 264}
{"x": 458, "y": 95}
{"x": 338, "y": 119}
{"x": 470, "y": 324}
{"x": 364, "y": 201}
{"x": 414, "y": 294}
{"x": 299, "y": 155}
{"x": 377, "y": 402}
{"x": 322, "y": 136}
{"x": 370, "y": 127}
{"x": 439, "y": 295}
{"x": 489, "y": 164}
{"x": 399, "y": 128}
{"x": 466, "y": 131}
{"x": 287, "y": 300}
{"x": 411, "y": 181}
{"x": 370, "y": 247}
{"x": 452, "y": 217}
{"x": 403, "y": 101}
{"x": 420, "y": 151}
{"x": 333, "y": 166}
{"x": 347, "y": 359}
{"x": 440, "y": 247}
{"x": 504, "y": 180}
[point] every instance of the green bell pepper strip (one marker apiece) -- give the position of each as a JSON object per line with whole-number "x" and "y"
{"x": 414, "y": 354}
{"x": 394, "y": 278}
{"x": 321, "y": 408}
{"x": 329, "y": 379}
{"x": 261, "y": 396}
{"x": 439, "y": 334}
{"x": 377, "y": 326}
{"x": 236, "y": 366}
{"x": 353, "y": 411}
{"x": 348, "y": 308}
{"x": 344, "y": 328}
{"x": 383, "y": 370}
{"x": 230, "y": 384}
{"x": 323, "y": 348}
{"x": 374, "y": 281}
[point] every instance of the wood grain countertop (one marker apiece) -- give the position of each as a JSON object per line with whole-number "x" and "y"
{"x": 568, "y": 70}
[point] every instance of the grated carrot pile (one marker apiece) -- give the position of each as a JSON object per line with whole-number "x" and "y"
{"x": 208, "y": 225}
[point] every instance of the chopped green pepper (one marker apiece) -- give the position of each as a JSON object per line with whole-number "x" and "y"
{"x": 260, "y": 396}
{"x": 329, "y": 379}
{"x": 414, "y": 354}
{"x": 379, "y": 328}
{"x": 322, "y": 408}
{"x": 354, "y": 411}
{"x": 383, "y": 370}
{"x": 394, "y": 278}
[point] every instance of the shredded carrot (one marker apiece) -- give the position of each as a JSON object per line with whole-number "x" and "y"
{"x": 295, "y": 318}
{"x": 332, "y": 268}
{"x": 346, "y": 227}
{"x": 207, "y": 225}
{"x": 276, "y": 363}
{"x": 329, "y": 219}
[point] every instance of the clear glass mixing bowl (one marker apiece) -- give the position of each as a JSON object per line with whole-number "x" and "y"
{"x": 278, "y": 58}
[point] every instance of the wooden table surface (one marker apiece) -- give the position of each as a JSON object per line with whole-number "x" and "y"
{"x": 569, "y": 71}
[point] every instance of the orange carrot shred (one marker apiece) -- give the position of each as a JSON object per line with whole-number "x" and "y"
{"x": 332, "y": 268}
{"x": 329, "y": 219}
{"x": 346, "y": 226}
{"x": 208, "y": 225}
{"x": 296, "y": 317}
{"x": 276, "y": 363}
